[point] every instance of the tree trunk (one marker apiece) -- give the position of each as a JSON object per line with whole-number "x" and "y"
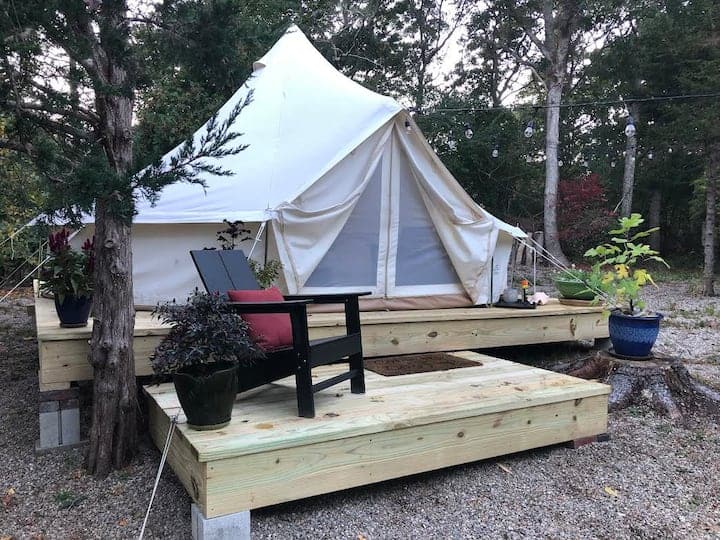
{"x": 654, "y": 217}
{"x": 713, "y": 170}
{"x": 113, "y": 434}
{"x": 663, "y": 382}
{"x": 628, "y": 184}
{"x": 552, "y": 171}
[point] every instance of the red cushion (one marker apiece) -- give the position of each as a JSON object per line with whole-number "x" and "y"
{"x": 269, "y": 330}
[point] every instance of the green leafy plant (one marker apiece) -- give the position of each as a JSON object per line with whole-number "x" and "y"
{"x": 67, "y": 499}
{"x": 68, "y": 272}
{"x": 619, "y": 262}
{"x": 232, "y": 235}
{"x": 265, "y": 274}
{"x": 204, "y": 330}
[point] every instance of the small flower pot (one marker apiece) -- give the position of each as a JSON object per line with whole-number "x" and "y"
{"x": 73, "y": 311}
{"x": 633, "y": 336}
{"x": 207, "y": 394}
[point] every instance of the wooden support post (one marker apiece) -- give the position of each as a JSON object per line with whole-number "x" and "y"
{"x": 582, "y": 441}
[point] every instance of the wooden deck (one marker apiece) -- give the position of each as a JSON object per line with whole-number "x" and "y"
{"x": 63, "y": 351}
{"x": 403, "y": 425}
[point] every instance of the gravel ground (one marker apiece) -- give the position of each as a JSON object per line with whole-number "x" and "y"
{"x": 654, "y": 479}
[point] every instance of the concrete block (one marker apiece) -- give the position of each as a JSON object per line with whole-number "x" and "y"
{"x": 231, "y": 527}
{"x": 50, "y": 436}
{"x": 70, "y": 425}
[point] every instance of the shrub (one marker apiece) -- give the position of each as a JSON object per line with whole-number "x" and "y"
{"x": 206, "y": 329}
{"x": 583, "y": 216}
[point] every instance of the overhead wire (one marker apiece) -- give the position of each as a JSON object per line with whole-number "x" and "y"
{"x": 578, "y": 104}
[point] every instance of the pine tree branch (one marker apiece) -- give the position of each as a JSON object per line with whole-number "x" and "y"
{"x": 23, "y": 148}
{"x": 78, "y": 113}
{"x": 53, "y": 127}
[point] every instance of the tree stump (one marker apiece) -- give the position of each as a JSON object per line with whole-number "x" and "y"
{"x": 661, "y": 381}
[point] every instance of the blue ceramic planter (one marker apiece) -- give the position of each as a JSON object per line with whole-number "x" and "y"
{"x": 73, "y": 311}
{"x": 633, "y": 336}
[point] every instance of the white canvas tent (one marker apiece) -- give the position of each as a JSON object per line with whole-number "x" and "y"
{"x": 349, "y": 194}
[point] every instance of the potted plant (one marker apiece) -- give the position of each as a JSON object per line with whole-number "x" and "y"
{"x": 68, "y": 275}
{"x": 202, "y": 351}
{"x": 576, "y": 284}
{"x": 633, "y": 330}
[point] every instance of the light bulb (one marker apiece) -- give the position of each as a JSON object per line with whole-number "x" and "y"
{"x": 630, "y": 126}
{"x": 408, "y": 126}
{"x": 650, "y": 154}
{"x": 670, "y": 150}
{"x": 586, "y": 164}
{"x": 612, "y": 164}
{"x": 530, "y": 129}
{"x": 560, "y": 163}
{"x": 495, "y": 152}
{"x": 528, "y": 159}
{"x": 468, "y": 132}
{"x": 452, "y": 144}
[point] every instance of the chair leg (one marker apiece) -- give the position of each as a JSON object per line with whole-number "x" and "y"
{"x": 357, "y": 383}
{"x": 303, "y": 385}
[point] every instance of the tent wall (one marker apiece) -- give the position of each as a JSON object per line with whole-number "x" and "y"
{"x": 162, "y": 267}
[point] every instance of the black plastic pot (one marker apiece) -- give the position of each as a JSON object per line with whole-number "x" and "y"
{"x": 207, "y": 393}
{"x": 73, "y": 311}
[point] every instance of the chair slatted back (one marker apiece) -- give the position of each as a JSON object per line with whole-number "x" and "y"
{"x": 224, "y": 270}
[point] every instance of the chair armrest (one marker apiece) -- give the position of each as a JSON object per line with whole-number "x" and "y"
{"x": 332, "y": 298}
{"x": 349, "y": 300}
{"x": 287, "y": 306}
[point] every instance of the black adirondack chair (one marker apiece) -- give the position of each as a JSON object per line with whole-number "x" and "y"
{"x": 224, "y": 270}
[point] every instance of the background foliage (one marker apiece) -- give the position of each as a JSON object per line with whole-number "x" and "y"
{"x": 447, "y": 60}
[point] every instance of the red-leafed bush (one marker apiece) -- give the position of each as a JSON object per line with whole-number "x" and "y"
{"x": 583, "y": 214}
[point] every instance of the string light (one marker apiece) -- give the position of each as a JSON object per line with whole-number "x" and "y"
{"x": 570, "y": 104}
{"x": 530, "y": 129}
{"x": 630, "y": 126}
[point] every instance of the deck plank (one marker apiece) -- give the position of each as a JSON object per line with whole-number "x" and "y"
{"x": 64, "y": 351}
{"x": 282, "y": 475}
{"x": 268, "y": 419}
{"x": 402, "y": 425}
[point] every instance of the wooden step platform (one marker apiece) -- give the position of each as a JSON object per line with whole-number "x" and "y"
{"x": 64, "y": 351}
{"x": 403, "y": 425}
